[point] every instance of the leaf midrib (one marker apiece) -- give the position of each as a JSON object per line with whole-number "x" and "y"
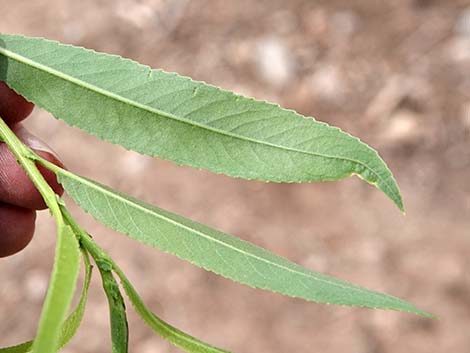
{"x": 111, "y": 95}
{"x": 180, "y": 225}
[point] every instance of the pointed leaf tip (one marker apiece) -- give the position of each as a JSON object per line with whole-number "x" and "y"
{"x": 191, "y": 123}
{"x": 216, "y": 251}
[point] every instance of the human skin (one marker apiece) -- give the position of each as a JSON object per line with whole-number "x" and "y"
{"x": 19, "y": 199}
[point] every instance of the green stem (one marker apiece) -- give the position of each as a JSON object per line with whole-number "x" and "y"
{"x": 65, "y": 268}
{"x": 25, "y": 158}
{"x": 85, "y": 239}
{"x": 117, "y": 310}
{"x": 168, "y": 332}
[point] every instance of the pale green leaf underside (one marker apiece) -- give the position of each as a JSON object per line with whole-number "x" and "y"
{"x": 70, "y": 326}
{"x": 215, "y": 251}
{"x": 191, "y": 123}
{"x": 60, "y": 292}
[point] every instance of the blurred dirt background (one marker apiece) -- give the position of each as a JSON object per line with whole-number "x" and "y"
{"x": 395, "y": 73}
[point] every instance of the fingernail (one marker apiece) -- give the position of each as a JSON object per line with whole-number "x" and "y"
{"x": 32, "y": 141}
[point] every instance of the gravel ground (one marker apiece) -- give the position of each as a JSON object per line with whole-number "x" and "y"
{"x": 396, "y": 74}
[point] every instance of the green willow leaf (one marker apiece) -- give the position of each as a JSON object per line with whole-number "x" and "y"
{"x": 71, "y": 325}
{"x": 213, "y": 250}
{"x": 20, "y": 348}
{"x": 117, "y": 309}
{"x": 172, "y": 334}
{"x": 59, "y": 295}
{"x": 191, "y": 123}
{"x": 168, "y": 332}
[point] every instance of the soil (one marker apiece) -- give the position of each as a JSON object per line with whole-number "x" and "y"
{"x": 394, "y": 73}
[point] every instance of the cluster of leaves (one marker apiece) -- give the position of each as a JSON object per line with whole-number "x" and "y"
{"x": 191, "y": 123}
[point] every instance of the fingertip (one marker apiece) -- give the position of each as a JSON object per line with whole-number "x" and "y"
{"x": 15, "y": 186}
{"x": 49, "y": 175}
{"x": 13, "y": 107}
{"x": 43, "y": 150}
{"x": 17, "y": 225}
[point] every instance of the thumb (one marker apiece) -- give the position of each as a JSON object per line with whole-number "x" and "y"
{"x": 34, "y": 142}
{"x": 45, "y": 151}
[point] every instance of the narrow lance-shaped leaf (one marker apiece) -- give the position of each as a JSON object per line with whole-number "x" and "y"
{"x": 117, "y": 309}
{"x": 213, "y": 250}
{"x": 192, "y": 123}
{"x": 60, "y": 292}
{"x": 168, "y": 332}
{"x": 70, "y": 326}
{"x": 66, "y": 265}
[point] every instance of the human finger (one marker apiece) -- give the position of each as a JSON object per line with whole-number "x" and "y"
{"x": 15, "y": 186}
{"x": 16, "y": 228}
{"x": 13, "y": 107}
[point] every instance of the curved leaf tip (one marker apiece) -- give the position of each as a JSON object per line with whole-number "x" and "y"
{"x": 188, "y": 122}
{"x": 213, "y": 250}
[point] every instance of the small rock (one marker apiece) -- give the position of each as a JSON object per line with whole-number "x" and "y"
{"x": 316, "y": 262}
{"x": 459, "y": 48}
{"x": 36, "y": 285}
{"x": 397, "y": 91}
{"x": 462, "y": 27}
{"x": 135, "y": 163}
{"x": 385, "y": 322}
{"x": 73, "y": 32}
{"x": 327, "y": 83}
{"x": 403, "y": 127}
{"x": 275, "y": 64}
{"x": 137, "y": 14}
{"x": 372, "y": 251}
